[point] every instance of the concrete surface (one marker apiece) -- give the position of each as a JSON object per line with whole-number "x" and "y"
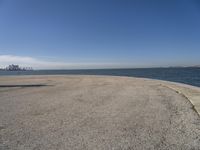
{"x": 190, "y": 92}
{"x": 95, "y": 112}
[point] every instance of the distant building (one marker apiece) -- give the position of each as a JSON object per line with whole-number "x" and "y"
{"x": 13, "y": 67}
{"x": 17, "y": 68}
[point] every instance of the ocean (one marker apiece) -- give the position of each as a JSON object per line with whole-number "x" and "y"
{"x": 189, "y": 76}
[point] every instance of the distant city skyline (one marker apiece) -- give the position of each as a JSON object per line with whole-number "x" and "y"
{"x": 84, "y": 34}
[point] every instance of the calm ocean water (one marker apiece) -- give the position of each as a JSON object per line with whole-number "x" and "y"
{"x": 183, "y": 75}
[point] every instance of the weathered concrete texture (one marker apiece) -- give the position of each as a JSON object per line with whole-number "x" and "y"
{"x": 95, "y": 112}
{"x": 190, "y": 92}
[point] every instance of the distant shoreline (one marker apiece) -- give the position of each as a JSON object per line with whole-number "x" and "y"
{"x": 189, "y": 75}
{"x": 3, "y": 69}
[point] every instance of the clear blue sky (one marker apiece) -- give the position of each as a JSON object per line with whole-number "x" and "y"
{"x": 120, "y": 33}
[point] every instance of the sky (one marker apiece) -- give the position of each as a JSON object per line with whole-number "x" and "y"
{"x": 78, "y": 34}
